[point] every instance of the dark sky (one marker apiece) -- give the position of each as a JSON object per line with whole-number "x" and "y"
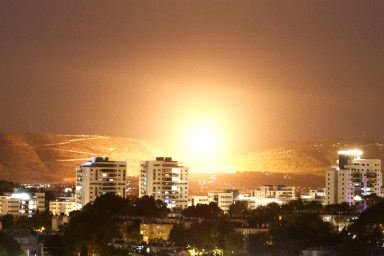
{"x": 260, "y": 70}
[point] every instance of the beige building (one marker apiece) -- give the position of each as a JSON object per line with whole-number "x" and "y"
{"x": 22, "y": 203}
{"x": 222, "y": 199}
{"x": 63, "y": 205}
{"x": 100, "y": 176}
{"x": 166, "y": 180}
{"x": 353, "y": 178}
{"x": 279, "y": 192}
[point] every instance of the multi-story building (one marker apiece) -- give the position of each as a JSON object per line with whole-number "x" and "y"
{"x": 165, "y": 179}
{"x": 352, "y": 178}
{"x": 279, "y": 192}
{"x": 63, "y": 205}
{"x": 21, "y": 203}
{"x": 100, "y": 176}
{"x": 222, "y": 199}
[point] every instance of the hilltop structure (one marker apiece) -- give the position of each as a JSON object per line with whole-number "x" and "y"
{"x": 98, "y": 177}
{"x": 353, "y": 178}
{"x": 166, "y": 180}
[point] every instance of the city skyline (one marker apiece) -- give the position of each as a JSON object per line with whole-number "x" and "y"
{"x": 213, "y": 78}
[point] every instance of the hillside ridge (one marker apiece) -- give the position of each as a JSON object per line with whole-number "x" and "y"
{"x": 38, "y": 157}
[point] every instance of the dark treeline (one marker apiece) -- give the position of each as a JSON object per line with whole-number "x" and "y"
{"x": 282, "y": 230}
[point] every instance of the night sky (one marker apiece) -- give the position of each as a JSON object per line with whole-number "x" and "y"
{"x": 253, "y": 71}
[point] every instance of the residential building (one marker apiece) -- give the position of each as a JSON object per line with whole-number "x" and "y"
{"x": 166, "y": 180}
{"x": 22, "y": 203}
{"x": 353, "y": 178}
{"x": 313, "y": 195}
{"x": 263, "y": 195}
{"x": 222, "y": 199}
{"x": 100, "y": 176}
{"x": 63, "y": 205}
{"x": 279, "y": 192}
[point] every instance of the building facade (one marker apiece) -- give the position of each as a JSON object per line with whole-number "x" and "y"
{"x": 279, "y": 192}
{"x": 63, "y": 205}
{"x": 223, "y": 199}
{"x": 353, "y": 178}
{"x": 22, "y": 203}
{"x": 166, "y": 180}
{"x": 100, "y": 176}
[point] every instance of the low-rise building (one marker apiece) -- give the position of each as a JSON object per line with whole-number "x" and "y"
{"x": 63, "y": 205}
{"x": 222, "y": 199}
{"x": 22, "y": 203}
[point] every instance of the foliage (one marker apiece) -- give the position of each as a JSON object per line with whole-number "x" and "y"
{"x": 369, "y": 226}
{"x": 257, "y": 244}
{"x": 262, "y": 216}
{"x": 293, "y": 233}
{"x": 238, "y": 209}
{"x": 8, "y": 221}
{"x": 99, "y": 222}
{"x": 9, "y": 246}
{"x": 207, "y": 211}
{"x": 208, "y": 235}
{"x": 149, "y": 207}
{"x": 7, "y": 186}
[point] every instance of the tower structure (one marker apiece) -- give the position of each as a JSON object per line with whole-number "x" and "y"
{"x": 100, "y": 176}
{"x": 353, "y": 178}
{"x": 165, "y": 179}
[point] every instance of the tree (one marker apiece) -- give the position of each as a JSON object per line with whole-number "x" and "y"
{"x": 207, "y": 211}
{"x": 369, "y": 226}
{"x": 8, "y": 221}
{"x": 238, "y": 209}
{"x": 257, "y": 244}
{"x": 95, "y": 225}
{"x": 262, "y": 216}
{"x": 9, "y": 246}
{"x": 293, "y": 233}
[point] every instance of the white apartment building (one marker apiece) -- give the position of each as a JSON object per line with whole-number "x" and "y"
{"x": 263, "y": 195}
{"x": 63, "y": 205}
{"x": 100, "y": 176}
{"x": 165, "y": 179}
{"x": 353, "y": 178}
{"x": 279, "y": 192}
{"x": 22, "y": 203}
{"x": 222, "y": 199}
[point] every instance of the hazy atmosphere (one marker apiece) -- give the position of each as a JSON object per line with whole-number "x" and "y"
{"x": 230, "y": 74}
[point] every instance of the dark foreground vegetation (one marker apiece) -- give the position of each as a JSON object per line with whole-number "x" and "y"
{"x": 276, "y": 230}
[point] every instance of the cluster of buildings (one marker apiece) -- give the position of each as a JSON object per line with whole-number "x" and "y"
{"x": 165, "y": 179}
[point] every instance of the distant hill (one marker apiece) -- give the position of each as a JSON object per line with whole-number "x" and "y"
{"x": 305, "y": 157}
{"x": 42, "y": 157}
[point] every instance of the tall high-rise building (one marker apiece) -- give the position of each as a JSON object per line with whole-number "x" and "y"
{"x": 165, "y": 179}
{"x": 100, "y": 176}
{"x": 352, "y": 178}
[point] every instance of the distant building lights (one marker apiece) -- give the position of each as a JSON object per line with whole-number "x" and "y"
{"x": 22, "y": 196}
{"x": 354, "y": 152}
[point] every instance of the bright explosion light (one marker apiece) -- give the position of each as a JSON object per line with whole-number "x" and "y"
{"x": 204, "y": 140}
